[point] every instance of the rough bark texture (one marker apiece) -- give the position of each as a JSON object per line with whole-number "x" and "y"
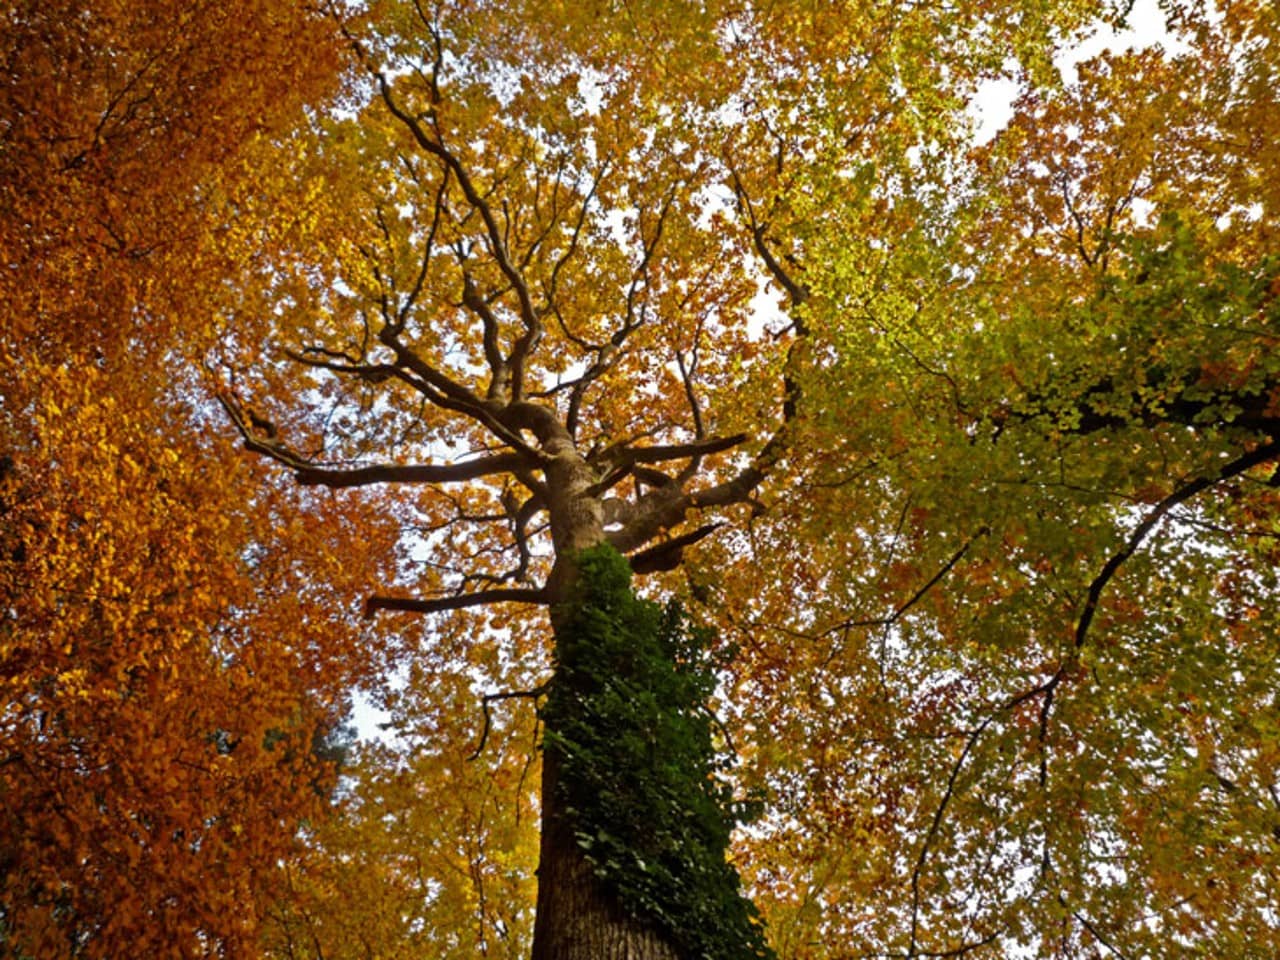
{"x": 577, "y": 517}
{"x": 577, "y": 920}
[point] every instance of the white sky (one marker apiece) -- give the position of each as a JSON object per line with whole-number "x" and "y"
{"x": 993, "y": 106}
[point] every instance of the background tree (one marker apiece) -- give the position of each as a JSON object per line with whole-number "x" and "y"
{"x": 435, "y": 850}
{"x": 1040, "y": 690}
{"x": 173, "y": 646}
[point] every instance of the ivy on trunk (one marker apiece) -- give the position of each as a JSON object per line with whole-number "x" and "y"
{"x": 641, "y": 780}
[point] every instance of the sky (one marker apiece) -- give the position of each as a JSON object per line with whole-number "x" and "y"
{"x": 993, "y": 105}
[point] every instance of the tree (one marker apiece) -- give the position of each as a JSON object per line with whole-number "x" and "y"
{"x": 434, "y": 850}
{"x": 1040, "y": 691}
{"x": 171, "y": 664}
{"x": 982, "y": 511}
{"x": 550, "y": 263}
{"x": 168, "y": 671}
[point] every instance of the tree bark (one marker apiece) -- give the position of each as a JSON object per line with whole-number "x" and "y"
{"x": 577, "y": 919}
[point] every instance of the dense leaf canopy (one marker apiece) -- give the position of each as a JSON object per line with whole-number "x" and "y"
{"x": 966, "y": 451}
{"x": 177, "y": 633}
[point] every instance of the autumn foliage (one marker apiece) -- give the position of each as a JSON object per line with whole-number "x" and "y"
{"x": 965, "y": 453}
{"x": 174, "y": 679}
{"x": 170, "y": 682}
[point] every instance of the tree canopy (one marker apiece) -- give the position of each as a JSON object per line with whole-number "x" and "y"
{"x": 178, "y": 634}
{"x": 963, "y": 456}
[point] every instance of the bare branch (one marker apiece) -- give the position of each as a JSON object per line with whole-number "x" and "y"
{"x": 409, "y": 473}
{"x": 489, "y": 698}
{"x": 462, "y": 601}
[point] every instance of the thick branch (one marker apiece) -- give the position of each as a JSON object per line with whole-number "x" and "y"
{"x": 661, "y": 509}
{"x": 459, "y": 602}
{"x": 410, "y": 473}
{"x": 679, "y": 451}
{"x": 667, "y": 504}
{"x": 259, "y": 436}
{"x": 1252, "y": 411}
{"x": 453, "y": 396}
{"x": 667, "y": 555}
{"x": 619, "y": 461}
{"x": 738, "y": 489}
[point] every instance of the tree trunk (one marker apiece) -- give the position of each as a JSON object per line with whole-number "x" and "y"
{"x": 576, "y": 918}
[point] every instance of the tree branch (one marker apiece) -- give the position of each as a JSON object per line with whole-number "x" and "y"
{"x": 258, "y": 434}
{"x": 667, "y": 555}
{"x": 1251, "y": 411}
{"x": 311, "y": 476}
{"x": 796, "y": 292}
{"x": 919, "y": 594}
{"x": 453, "y": 396}
{"x": 497, "y": 247}
{"x": 934, "y": 826}
{"x": 1247, "y": 461}
{"x": 489, "y": 698}
{"x": 679, "y": 451}
{"x": 1094, "y": 932}
{"x": 619, "y": 461}
{"x": 462, "y": 601}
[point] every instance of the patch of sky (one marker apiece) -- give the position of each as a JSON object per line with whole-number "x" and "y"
{"x": 371, "y": 721}
{"x": 992, "y": 105}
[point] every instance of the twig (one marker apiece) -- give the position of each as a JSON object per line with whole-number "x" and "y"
{"x": 489, "y": 698}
